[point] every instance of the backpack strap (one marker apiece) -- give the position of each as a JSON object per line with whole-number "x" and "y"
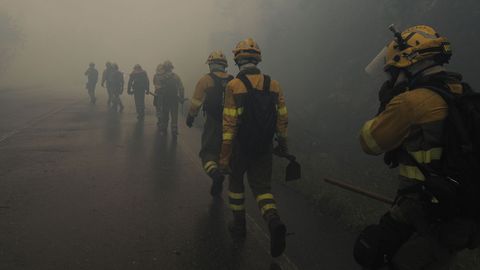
{"x": 266, "y": 83}
{"x": 215, "y": 79}
{"x": 243, "y": 78}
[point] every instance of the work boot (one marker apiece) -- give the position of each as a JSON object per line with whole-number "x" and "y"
{"x": 217, "y": 185}
{"x": 238, "y": 228}
{"x": 278, "y": 233}
{"x": 140, "y": 116}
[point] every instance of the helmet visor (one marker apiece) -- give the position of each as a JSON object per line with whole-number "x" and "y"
{"x": 376, "y": 67}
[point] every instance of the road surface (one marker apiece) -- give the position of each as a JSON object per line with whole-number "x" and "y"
{"x": 84, "y": 188}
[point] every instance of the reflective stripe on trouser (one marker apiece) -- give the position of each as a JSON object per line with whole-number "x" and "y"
{"x": 236, "y": 201}
{"x": 168, "y": 112}
{"x": 211, "y": 144}
{"x": 259, "y": 175}
{"x": 139, "y": 96}
{"x": 210, "y": 167}
{"x": 266, "y": 203}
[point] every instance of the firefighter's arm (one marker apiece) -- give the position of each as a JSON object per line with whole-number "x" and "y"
{"x": 156, "y": 82}
{"x": 198, "y": 96}
{"x": 388, "y": 130}
{"x": 104, "y": 78}
{"x": 130, "y": 83}
{"x": 230, "y": 118}
{"x": 181, "y": 89}
{"x": 148, "y": 82}
{"x": 282, "y": 121}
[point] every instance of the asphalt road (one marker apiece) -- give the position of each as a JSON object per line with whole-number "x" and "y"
{"x": 84, "y": 188}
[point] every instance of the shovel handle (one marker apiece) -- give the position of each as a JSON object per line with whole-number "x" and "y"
{"x": 290, "y": 157}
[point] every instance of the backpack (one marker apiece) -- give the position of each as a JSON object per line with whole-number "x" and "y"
{"x": 457, "y": 185}
{"x": 169, "y": 89}
{"x": 259, "y": 118}
{"x": 214, "y": 101}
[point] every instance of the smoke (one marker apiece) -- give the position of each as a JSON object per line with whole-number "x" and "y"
{"x": 63, "y": 36}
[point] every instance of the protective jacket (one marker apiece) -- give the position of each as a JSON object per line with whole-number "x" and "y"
{"x": 210, "y": 93}
{"x": 412, "y": 122}
{"x": 106, "y": 77}
{"x": 233, "y": 109}
{"x": 92, "y": 75}
{"x": 117, "y": 82}
{"x": 138, "y": 81}
{"x": 169, "y": 86}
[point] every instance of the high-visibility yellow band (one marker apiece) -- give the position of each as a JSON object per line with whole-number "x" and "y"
{"x": 411, "y": 172}
{"x": 209, "y": 166}
{"x": 368, "y": 138}
{"x": 240, "y": 111}
{"x": 235, "y": 207}
{"x": 267, "y": 207}
{"x": 282, "y": 111}
{"x": 236, "y": 196}
{"x": 230, "y": 112}
{"x": 196, "y": 102}
{"x": 227, "y": 136}
{"x": 266, "y": 196}
{"x": 427, "y": 156}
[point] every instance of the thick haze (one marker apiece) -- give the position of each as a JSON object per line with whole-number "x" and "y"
{"x": 316, "y": 49}
{"x": 62, "y": 36}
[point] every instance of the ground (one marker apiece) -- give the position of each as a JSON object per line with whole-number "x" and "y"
{"x": 84, "y": 188}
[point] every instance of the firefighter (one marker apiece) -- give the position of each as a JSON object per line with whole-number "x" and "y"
{"x": 169, "y": 92}
{"x": 209, "y": 93}
{"x": 106, "y": 82}
{"x": 416, "y": 232}
{"x": 92, "y": 79}
{"x": 138, "y": 86}
{"x": 254, "y": 112}
{"x": 117, "y": 85}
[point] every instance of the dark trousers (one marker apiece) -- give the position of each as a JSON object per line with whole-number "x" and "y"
{"x": 435, "y": 244}
{"x": 211, "y": 144}
{"x": 91, "y": 91}
{"x": 259, "y": 176}
{"x": 115, "y": 99}
{"x": 167, "y": 111}
{"x": 139, "y": 96}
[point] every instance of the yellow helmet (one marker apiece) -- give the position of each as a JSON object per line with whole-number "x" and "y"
{"x": 217, "y": 57}
{"x": 247, "y": 48}
{"x": 416, "y": 44}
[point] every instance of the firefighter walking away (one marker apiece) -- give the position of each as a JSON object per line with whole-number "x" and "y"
{"x": 424, "y": 129}
{"x": 92, "y": 79}
{"x": 138, "y": 86}
{"x": 209, "y": 94}
{"x": 254, "y": 113}
{"x": 169, "y": 92}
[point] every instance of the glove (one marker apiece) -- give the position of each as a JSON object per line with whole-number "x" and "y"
{"x": 282, "y": 148}
{"x": 190, "y": 120}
